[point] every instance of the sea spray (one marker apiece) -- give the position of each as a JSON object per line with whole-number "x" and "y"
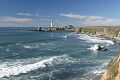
{"x": 94, "y": 48}
{"x": 94, "y": 39}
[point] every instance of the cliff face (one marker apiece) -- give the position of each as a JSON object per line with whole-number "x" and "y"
{"x": 110, "y": 32}
{"x": 113, "y": 70}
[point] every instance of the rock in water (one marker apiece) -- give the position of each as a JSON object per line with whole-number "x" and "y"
{"x": 98, "y": 48}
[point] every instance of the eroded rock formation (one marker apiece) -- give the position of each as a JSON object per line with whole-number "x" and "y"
{"x": 110, "y": 32}
{"x": 113, "y": 70}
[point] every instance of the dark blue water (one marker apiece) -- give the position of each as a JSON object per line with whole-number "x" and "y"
{"x": 57, "y": 55}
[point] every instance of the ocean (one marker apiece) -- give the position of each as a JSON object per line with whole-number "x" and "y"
{"x": 55, "y": 55}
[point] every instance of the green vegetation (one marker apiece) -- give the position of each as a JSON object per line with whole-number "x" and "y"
{"x": 88, "y": 30}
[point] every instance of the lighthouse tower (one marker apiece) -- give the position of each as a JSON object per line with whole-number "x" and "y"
{"x": 51, "y": 24}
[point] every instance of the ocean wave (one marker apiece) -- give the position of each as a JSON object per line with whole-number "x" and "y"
{"x": 94, "y": 48}
{"x": 18, "y": 68}
{"x": 1, "y": 47}
{"x": 64, "y": 36}
{"x": 98, "y": 48}
{"x": 7, "y": 49}
{"x": 96, "y": 71}
{"x": 36, "y": 45}
{"x": 29, "y": 46}
{"x": 100, "y": 69}
{"x": 94, "y": 39}
{"x": 71, "y": 34}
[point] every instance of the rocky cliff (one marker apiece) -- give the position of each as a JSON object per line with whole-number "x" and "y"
{"x": 110, "y": 32}
{"x": 113, "y": 70}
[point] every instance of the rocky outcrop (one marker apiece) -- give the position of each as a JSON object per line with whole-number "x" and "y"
{"x": 56, "y": 28}
{"x": 110, "y": 32}
{"x": 113, "y": 70}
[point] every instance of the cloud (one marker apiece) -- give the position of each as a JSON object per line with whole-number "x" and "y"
{"x": 28, "y": 22}
{"x": 14, "y": 19}
{"x": 27, "y": 14}
{"x": 23, "y": 22}
{"x": 36, "y": 15}
{"x": 92, "y": 20}
{"x": 24, "y": 14}
{"x": 71, "y": 15}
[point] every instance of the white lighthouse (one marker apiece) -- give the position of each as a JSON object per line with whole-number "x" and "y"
{"x": 51, "y": 24}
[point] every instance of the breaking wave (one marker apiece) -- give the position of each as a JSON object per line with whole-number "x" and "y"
{"x": 16, "y": 69}
{"x": 35, "y": 45}
{"x": 64, "y": 36}
{"x": 94, "y": 48}
{"x": 95, "y": 72}
{"x": 94, "y": 39}
{"x": 29, "y": 46}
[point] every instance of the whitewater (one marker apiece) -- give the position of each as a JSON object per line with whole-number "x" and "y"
{"x": 57, "y": 55}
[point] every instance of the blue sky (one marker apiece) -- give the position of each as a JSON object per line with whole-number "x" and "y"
{"x": 31, "y": 13}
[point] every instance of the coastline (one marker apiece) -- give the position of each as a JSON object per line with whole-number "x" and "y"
{"x": 112, "y": 69}
{"x": 90, "y": 31}
{"x": 93, "y": 73}
{"x": 99, "y": 76}
{"x": 110, "y": 32}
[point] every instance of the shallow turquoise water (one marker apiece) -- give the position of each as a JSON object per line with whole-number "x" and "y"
{"x": 57, "y": 55}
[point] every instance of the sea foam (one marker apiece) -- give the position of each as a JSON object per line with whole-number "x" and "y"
{"x": 94, "y": 39}
{"x": 16, "y": 69}
{"x": 95, "y": 71}
{"x": 94, "y": 48}
{"x": 64, "y": 36}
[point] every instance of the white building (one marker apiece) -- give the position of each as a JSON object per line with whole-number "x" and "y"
{"x": 52, "y": 24}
